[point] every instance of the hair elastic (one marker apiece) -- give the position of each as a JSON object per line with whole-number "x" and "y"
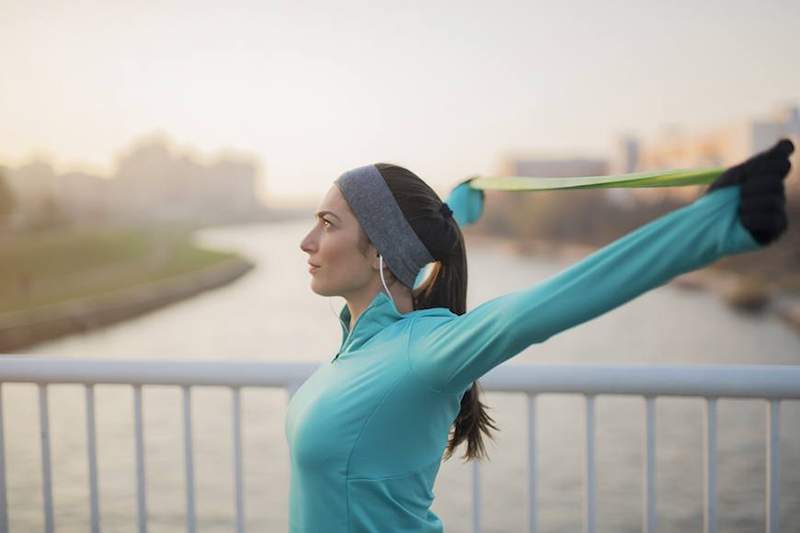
{"x": 445, "y": 210}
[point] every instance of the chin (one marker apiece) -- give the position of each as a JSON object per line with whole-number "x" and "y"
{"x": 320, "y": 289}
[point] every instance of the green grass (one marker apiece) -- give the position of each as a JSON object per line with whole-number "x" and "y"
{"x": 38, "y": 269}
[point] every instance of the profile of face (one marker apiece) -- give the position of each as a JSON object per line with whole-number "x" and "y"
{"x": 338, "y": 266}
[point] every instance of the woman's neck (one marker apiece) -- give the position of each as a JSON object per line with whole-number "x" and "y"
{"x": 357, "y": 304}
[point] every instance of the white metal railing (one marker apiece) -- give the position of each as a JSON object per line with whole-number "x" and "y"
{"x": 771, "y": 383}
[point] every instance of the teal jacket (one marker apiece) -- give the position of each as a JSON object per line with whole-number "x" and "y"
{"x": 367, "y": 430}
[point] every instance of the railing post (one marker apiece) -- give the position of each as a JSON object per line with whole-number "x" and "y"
{"x": 533, "y": 515}
{"x": 141, "y": 496}
{"x": 237, "y": 458}
{"x": 649, "y": 514}
{"x": 756, "y": 381}
{"x": 589, "y": 507}
{"x": 710, "y": 457}
{"x": 189, "y": 458}
{"x": 773, "y": 467}
{"x": 476, "y": 496}
{"x": 3, "y": 499}
{"x": 91, "y": 442}
{"x": 47, "y": 487}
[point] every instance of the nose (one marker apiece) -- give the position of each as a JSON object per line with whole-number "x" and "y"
{"x": 308, "y": 244}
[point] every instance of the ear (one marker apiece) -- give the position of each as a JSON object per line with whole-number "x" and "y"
{"x": 375, "y": 262}
{"x": 373, "y": 256}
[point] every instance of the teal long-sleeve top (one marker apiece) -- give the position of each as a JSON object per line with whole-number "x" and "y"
{"x": 367, "y": 430}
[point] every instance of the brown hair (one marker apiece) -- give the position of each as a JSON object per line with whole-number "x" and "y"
{"x": 445, "y": 286}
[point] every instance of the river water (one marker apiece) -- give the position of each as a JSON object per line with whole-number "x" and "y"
{"x": 272, "y": 315}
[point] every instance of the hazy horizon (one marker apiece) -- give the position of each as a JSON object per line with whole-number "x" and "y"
{"x": 445, "y": 89}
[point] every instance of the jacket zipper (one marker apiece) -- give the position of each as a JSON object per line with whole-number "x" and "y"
{"x": 350, "y": 333}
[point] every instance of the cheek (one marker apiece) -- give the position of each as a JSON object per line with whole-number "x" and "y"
{"x": 344, "y": 262}
{"x": 351, "y": 266}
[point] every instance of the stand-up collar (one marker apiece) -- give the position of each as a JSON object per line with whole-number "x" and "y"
{"x": 380, "y": 313}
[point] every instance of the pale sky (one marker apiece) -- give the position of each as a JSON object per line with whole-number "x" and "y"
{"x": 443, "y": 88}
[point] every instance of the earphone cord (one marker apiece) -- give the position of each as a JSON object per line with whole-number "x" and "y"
{"x": 380, "y": 259}
{"x": 383, "y": 281}
{"x": 334, "y": 313}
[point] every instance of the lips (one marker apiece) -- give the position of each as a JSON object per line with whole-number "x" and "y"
{"x": 312, "y": 267}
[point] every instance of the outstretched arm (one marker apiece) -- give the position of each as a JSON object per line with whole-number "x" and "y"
{"x": 449, "y": 353}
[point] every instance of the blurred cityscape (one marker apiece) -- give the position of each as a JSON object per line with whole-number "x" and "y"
{"x": 593, "y": 218}
{"x": 155, "y": 182}
{"x": 672, "y": 148}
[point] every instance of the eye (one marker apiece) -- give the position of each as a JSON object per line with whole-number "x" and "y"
{"x": 325, "y": 223}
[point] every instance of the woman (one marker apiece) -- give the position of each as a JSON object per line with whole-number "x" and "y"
{"x": 367, "y": 430}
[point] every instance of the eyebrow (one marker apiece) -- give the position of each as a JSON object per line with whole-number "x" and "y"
{"x": 320, "y": 213}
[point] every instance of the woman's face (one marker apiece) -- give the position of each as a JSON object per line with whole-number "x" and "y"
{"x": 332, "y": 245}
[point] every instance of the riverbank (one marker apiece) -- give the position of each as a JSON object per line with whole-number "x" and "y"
{"x": 70, "y": 281}
{"x": 741, "y": 292}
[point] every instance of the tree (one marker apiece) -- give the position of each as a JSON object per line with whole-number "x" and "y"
{"x": 7, "y": 201}
{"x": 48, "y": 214}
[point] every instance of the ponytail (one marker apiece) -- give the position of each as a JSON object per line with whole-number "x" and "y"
{"x": 445, "y": 286}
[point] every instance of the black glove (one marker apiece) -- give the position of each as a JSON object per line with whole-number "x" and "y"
{"x": 762, "y": 204}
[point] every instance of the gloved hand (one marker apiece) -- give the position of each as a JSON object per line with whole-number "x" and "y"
{"x": 762, "y": 200}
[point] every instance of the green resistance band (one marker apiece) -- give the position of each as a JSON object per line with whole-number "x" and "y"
{"x": 467, "y": 199}
{"x": 664, "y": 178}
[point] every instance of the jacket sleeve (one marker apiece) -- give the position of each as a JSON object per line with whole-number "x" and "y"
{"x": 450, "y": 352}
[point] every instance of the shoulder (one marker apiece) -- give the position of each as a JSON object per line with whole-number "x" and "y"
{"x": 422, "y": 323}
{"x": 430, "y": 317}
{"x": 432, "y": 312}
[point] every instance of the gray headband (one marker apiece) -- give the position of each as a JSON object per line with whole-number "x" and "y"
{"x": 378, "y": 213}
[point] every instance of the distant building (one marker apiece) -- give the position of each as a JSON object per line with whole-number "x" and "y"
{"x": 32, "y": 184}
{"x": 86, "y": 197}
{"x": 628, "y": 156}
{"x": 152, "y": 182}
{"x": 552, "y": 167}
{"x": 723, "y": 146}
{"x": 564, "y": 168}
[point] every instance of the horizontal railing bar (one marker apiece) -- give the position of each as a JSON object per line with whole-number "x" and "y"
{"x": 731, "y": 381}
{"x": 150, "y": 372}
